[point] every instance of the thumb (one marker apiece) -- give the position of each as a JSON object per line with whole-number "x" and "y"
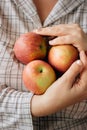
{"x": 73, "y": 71}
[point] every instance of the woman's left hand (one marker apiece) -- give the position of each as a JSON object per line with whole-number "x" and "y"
{"x": 66, "y": 34}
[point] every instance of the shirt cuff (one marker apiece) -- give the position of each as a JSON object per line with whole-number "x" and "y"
{"x": 25, "y": 110}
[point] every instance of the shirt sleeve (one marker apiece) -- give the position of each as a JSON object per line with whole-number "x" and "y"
{"x": 15, "y": 111}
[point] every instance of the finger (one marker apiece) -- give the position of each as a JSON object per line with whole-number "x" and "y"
{"x": 83, "y": 58}
{"x": 67, "y": 39}
{"x": 81, "y": 83}
{"x": 56, "y": 30}
{"x": 62, "y": 40}
{"x": 73, "y": 72}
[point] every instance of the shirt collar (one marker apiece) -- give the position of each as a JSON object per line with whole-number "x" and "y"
{"x": 61, "y": 8}
{"x": 29, "y": 9}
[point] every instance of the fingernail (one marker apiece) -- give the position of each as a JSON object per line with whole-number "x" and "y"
{"x": 37, "y": 30}
{"x": 51, "y": 42}
{"x": 79, "y": 62}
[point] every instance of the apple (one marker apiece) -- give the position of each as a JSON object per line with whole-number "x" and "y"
{"x": 62, "y": 56}
{"x": 30, "y": 46}
{"x": 38, "y": 75}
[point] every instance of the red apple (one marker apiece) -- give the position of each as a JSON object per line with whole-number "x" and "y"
{"x": 62, "y": 56}
{"x": 30, "y": 46}
{"x": 38, "y": 75}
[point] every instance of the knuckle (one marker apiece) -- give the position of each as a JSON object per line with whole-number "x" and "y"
{"x": 78, "y": 28}
{"x": 78, "y": 32}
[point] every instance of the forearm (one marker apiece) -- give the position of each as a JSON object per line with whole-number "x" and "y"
{"x": 15, "y": 109}
{"x": 39, "y": 106}
{"x": 46, "y": 104}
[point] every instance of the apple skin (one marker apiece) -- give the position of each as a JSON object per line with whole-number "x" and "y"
{"x": 38, "y": 75}
{"x": 30, "y": 46}
{"x": 62, "y": 56}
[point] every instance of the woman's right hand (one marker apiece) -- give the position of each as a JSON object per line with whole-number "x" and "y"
{"x": 69, "y": 89}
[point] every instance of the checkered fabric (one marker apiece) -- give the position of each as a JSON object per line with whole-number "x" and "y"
{"x": 18, "y": 17}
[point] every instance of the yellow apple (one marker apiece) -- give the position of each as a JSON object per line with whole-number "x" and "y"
{"x": 62, "y": 56}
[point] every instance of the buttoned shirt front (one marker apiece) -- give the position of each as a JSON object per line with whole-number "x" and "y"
{"x": 18, "y": 17}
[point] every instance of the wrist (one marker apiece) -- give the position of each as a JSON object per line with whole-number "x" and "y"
{"x": 43, "y": 105}
{"x": 37, "y": 105}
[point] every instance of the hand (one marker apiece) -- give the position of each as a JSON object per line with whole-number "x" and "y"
{"x": 66, "y": 34}
{"x": 69, "y": 89}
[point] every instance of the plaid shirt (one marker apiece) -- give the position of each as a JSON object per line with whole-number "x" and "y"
{"x": 18, "y": 17}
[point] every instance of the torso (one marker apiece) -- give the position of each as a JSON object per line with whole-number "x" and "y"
{"x": 18, "y": 19}
{"x": 44, "y": 7}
